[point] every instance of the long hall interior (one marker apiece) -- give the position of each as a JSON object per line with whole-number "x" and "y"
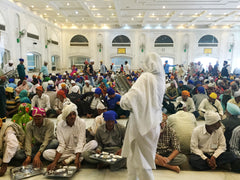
{"x": 91, "y": 53}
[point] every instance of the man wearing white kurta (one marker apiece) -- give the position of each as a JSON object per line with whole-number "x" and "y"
{"x": 71, "y": 134}
{"x": 144, "y": 100}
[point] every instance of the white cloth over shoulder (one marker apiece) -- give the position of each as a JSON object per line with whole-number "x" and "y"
{"x": 144, "y": 100}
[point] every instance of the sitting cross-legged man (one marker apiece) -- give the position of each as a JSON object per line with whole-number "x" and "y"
{"x": 41, "y": 130}
{"x": 208, "y": 145}
{"x": 71, "y": 134}
{"x": 168, "y": 149}
{"x": 11, "y": 141}
{"x": 109, "y": 137}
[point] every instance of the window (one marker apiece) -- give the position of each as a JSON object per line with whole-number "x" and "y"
{"x": 208, "y": 41}
{"x": 54, "y": 60}
{"x": 79, "y": 40}
{"x": 33, "y": 62}
{"x": 121, "y": 40}
{"x": 78, "y": 61}
{"x": 163, "y": 41}
{"x": 4, "y": 57}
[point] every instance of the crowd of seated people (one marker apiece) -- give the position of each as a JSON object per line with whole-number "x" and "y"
{"x": 68, "y": 97}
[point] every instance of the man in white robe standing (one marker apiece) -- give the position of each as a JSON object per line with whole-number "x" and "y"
{"x": 144, "y": 100}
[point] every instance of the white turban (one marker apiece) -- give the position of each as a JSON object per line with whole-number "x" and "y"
{"x": 237, "y": 93}
{"x": 211, "y": 117}
{"x": 10, "y": 61}
{"x": 101, "y": 106}
{"x": 87, "y": 81}
{"x": 67, "y": 109}
{"x": 211, "y": 85}
{"x": 73, "y": 82}
{"x": 91, "y": 60}
{"x": 50, "y": 82}
{"x": 75, "y": 89}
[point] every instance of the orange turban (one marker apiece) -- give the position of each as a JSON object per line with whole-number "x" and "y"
{"x": 185, "y": 92}
{"x": 63, "y": 85}
{"x": 61, "y": 93}
{"x": 40, "y": 88}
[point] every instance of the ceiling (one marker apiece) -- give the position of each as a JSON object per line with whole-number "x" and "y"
{"x": 137, "y": 13}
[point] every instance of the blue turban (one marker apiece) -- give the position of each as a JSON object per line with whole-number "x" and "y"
{"x": 98, "y": 91}
{"x": 21, "y": 59}
{"x": 233, "y": 109}
{"x": 180, "y": 82}
{"x": 190, "y": 81}
{"x": 78, "y": 79}
{"x": 110, "y": 91}
{"x": 110, "y": 115}
{"x": 11, "y": 80}
{"x": 60, "y": 76}
{"x": 201, "y": 90}
{"x": 197, "y": 82}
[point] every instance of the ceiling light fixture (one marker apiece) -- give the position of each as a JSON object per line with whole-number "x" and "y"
{"x": 58, "y": 14}
{"x": 153, "y": 14}
{"x": 181, "y": 14}
{"x": 157, "y": 19}
{"x": 98, "y": 14}
{"x": 47, "y": 6}
{"x": 209, "y": 14}
{"x": 132, "y": 19}
{"x": 83, "y": 19}
{"x": 32, "y": 6}
{"x": 196, "y": 14}
{"x": 68, "y": 4}
{"x": 76, "y": 12}
{"x": 238, "y": 6}
{"x": 45, "y": 14}
{"x": 112, "y": 14}
{"x": 139, "y": 14}
{"x": 164, "y": 7}
{"x": 93, "y": 6}
{"x": 109, "y": 6}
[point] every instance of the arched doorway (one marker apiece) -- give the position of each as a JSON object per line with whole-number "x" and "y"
{"x": 78, "y": 61}
{"x": 170, "y": 61}
{"x": 34, "y": 62}
{"x": 205, "y": 61}
{"x": 118, "y": 60}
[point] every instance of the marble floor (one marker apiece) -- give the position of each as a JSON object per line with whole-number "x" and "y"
{"x": 159, "y": 174}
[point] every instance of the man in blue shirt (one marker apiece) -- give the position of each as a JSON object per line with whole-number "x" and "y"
{"x": 44, "y": 70}
{"x": 113, "y": 103}
{"x": 166, "y": 67}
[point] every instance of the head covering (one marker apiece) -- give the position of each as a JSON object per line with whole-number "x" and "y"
{"x": 11, "y": 80}
{"x": 87, "y": 81}
{"x": 180, "y": 106}
{"x": 201, "y": 78}
{"x": 63, "y": 85}
{"x": 98, "y": 91}
{"x": 61, "y": 93}
{"x": 213, "y": 95}
{"x": 67, "y": 109}
{"x": 110, "y": 91}
{"x": 185, "y": 92}
{"x": 233, "y": 109}
{"x": 237, "y": 93}
{"x": 38, "y": 112}
{"x": 110, "y": 115}
{"x": 190, "y": 81}
{"x": 101, "y": 106}
{"x": 9, "y": 89}
{"x": 75, "y": 89}
{"x": 50, "y": 82}
{"x": 211, "y": 117}
{"x": 40, "y": 88}
{"x": 153, "y": 63}
{"x": 73, "y": 82}
{"x": 10, "y": 61}
{"x": 201, "y": 90}
{"x": 21, "y": 59}
{"x": 180, "y": 82}
{"x": 91, "y": 60}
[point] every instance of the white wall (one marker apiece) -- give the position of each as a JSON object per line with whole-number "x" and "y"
{"x": 189, "y": 37}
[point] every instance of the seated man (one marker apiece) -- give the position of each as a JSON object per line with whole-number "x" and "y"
{"x": 235, "y": 142}
{"x": 168, "y": 149}
{"x": 190, "y": 106}
{"x": 113, "y": 103}
{"x": 236, "y": 99}
{"x": 60, "y": 101}
{"x": 183, "y": 123}
{"x": 197, "y": 98}
{"x": 12, "y": 139}
{"x": 98, "y": 121}
{"x": 231, "y": 122}
{"x": 109, "y": 137}
{"x": 208, "y": 144}
{"x": 42, "y": 130}
{"x": 210, "y": 104}
{"x": 71, "y": 134}
{"x": 92, "y": 111}
{"x": 171, "y": 92}
{"x": 41, "y": 100}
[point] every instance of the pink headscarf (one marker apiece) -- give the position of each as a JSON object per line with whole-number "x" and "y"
{"x": 38, "y": 112}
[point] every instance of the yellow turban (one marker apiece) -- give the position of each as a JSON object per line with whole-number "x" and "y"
{"x": 185, "y": 92}
{"x": 213, "y": 95}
